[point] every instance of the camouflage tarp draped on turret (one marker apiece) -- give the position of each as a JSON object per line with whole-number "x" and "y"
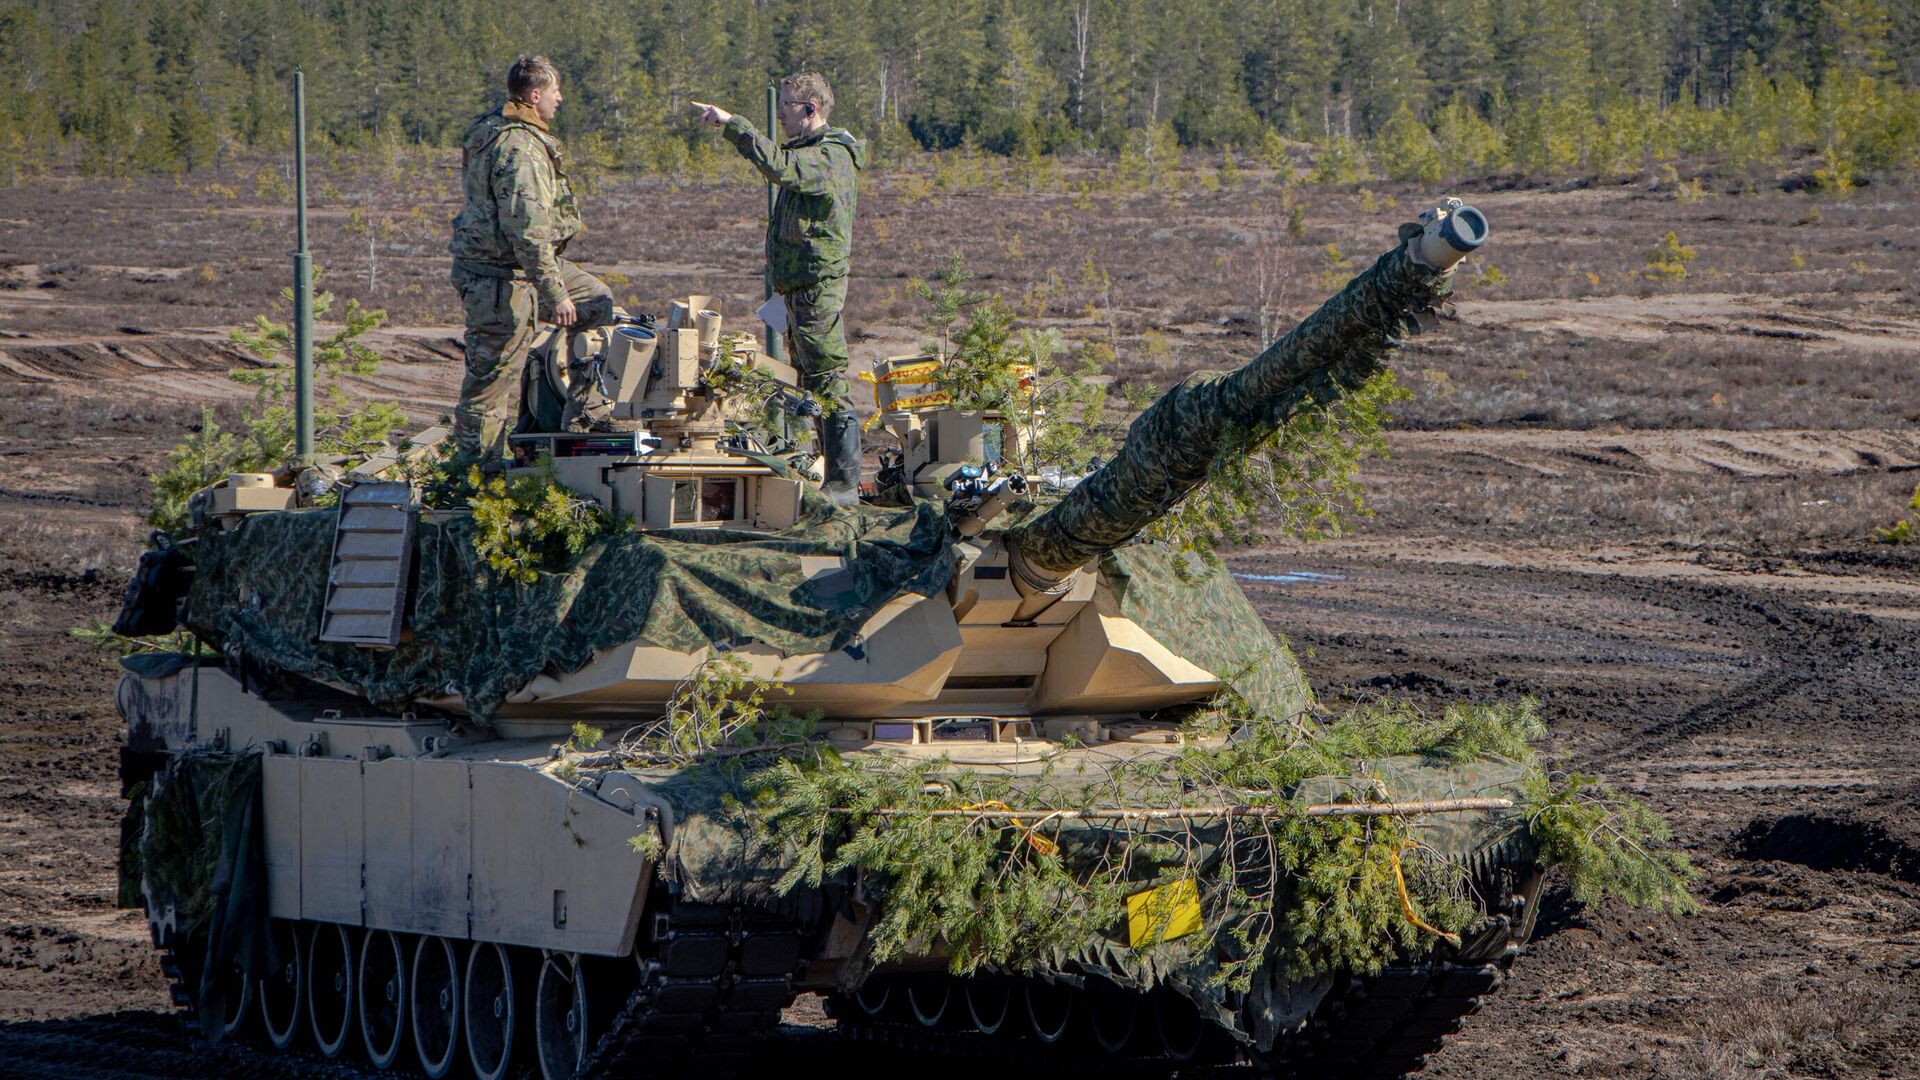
{"x": 260, "y": 587}
{"x": 1205, "y": 618}
{"x": 1171, "y": 446}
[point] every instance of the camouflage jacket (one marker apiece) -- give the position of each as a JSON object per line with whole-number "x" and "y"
{"x": 811, "y": 233}
{"x": 519, "y": 211}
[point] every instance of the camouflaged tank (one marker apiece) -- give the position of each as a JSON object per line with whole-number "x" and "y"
{"x": 367, "y": 822}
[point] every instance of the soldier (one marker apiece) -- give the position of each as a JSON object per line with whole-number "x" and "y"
{"x": 808, "y": 239}
{"x": 507, "y": 242}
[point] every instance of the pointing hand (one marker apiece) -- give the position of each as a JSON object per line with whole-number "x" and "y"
{"x": 712, "y": 114}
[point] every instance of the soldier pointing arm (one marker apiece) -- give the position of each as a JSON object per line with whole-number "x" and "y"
{"x": 809, "y": 238}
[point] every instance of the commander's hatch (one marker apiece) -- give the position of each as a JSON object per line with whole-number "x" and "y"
{"x": 372, "y": 560}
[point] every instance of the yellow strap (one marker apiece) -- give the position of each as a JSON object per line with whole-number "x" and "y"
{"x": 906, "y": 372}
{"x": 1034, "y": 840}
{"x": 917, "y": 401}
{"x": 1406, "y": 904}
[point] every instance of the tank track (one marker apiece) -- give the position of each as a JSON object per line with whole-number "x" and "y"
{"x": 714, "y": 986}
{"x": 1376, "y": 1027}
{"x": 1382, "y": 1026}
{"x": 1385, "y": 1025}
{"x": 180, "y": 971}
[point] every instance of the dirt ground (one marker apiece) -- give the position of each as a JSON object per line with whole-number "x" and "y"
{"x": 1646, "y": 503}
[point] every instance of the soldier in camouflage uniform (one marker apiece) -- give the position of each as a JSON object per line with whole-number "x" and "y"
{"x": 507, "y": 242}
{"x": 808, "y": 240}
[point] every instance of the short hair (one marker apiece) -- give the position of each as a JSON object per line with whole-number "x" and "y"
{"x": 810, "y": 86}
{"x": 530, "y": 73}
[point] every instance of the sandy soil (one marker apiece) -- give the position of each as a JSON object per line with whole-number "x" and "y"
{"x": 1646, "y": 505}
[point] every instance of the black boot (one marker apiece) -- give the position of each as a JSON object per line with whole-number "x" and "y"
{"x": 840, "y": 438}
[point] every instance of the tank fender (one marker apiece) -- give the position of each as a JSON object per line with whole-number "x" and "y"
{"x": 629, "y": 792}
{"x": 157, "y": 706}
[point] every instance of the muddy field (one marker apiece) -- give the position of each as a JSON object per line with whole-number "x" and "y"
{"x": 1647, "y": 503}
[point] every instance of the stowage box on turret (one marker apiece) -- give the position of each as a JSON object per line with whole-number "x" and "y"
{"x": 374, "y": 826}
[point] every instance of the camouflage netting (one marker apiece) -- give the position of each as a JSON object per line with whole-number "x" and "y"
{"x": 194, "y": 847}
{"x": 1275, "y": 1000}
{"x": 259, "y": 590}
{"x": 713, "y": 857}
{"x": 1200, "y": 612}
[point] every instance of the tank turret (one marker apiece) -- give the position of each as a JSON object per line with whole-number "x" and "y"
{"x": 1172, "y": 446}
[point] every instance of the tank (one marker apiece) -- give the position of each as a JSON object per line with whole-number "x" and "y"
{"x": 408, "y": 805}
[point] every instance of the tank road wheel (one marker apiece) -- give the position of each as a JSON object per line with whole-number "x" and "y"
{"x": 382, "y": 997}
{"x": 1049, "y": 1010}
{"x": 1112, "y": 1015}
{"x": 283, "y": 984}
{"x": 433, "y": 1005}
{"x": 1184, "y": 1035}
{"x": 490, "y": 1010}
{"x": 929, "y": 998}
{"x": 330, "y": 987}
{"x": 236, "y": 993}
{"x": 988, "y": 1003}
{"x": 560, "y": 1016}
{"x": 873, "y": 997}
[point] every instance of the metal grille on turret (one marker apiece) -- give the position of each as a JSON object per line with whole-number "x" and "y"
{"x": 372, "y": 559}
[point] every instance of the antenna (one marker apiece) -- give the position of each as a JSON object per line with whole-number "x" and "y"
{"x": 302, "y": 284}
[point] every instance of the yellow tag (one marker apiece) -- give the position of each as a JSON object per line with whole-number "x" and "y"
{"x": 1162, "y": 914}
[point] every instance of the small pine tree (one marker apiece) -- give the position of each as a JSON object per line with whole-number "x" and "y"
{"x": 265, "y": 439}
{"x": 1667, "y": 260}
{"x": 1407, "y": 149}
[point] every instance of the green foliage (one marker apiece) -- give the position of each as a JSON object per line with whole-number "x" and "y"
{"x": 204, "y": 457}
{"x": 720, "y": 710}
{"x": 1001, "y": 890}
{"x": 1611, "y": 845}
{"x": 1054, "y": 400}
{"x": 1607, "y": 85}
{"x": 264, "y": 440}
{"x": 765, "y": 403}
{"x": 950, "y": 305}
{"x": 530, "y": 523}
{"x": 1901, "y": 531}
{"x": 1340, "y": 160}
{"x": 1667, "y": 260}
{"x": 1408, "y": 149}
{"x": 1306, "y": 473}
{"x": 98, "y": 635}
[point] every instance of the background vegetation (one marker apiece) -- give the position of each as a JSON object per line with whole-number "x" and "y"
{"x": 1417, "y": 89}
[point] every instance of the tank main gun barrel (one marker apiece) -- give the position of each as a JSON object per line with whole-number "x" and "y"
{"x": 1171, "y": 448}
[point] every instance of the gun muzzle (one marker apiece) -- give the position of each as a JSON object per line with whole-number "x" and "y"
{"x": 1452, "y": 233}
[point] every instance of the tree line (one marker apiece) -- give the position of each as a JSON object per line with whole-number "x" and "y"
{"x": 1420, "y": 88}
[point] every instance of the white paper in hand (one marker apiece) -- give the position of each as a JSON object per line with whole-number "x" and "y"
{"x": 774, "y": 314}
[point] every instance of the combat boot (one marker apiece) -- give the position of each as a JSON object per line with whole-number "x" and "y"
{"x": 840, "y": 439}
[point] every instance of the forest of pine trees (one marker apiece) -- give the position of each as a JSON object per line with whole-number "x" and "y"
{"x": 1413, "y": 89}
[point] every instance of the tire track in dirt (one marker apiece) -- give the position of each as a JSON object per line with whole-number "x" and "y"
{"x": 1629, "y": 665}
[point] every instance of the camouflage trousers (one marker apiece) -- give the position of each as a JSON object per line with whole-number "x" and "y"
{"x": 503, "y": 314}
{"x": 817, "y": 344}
